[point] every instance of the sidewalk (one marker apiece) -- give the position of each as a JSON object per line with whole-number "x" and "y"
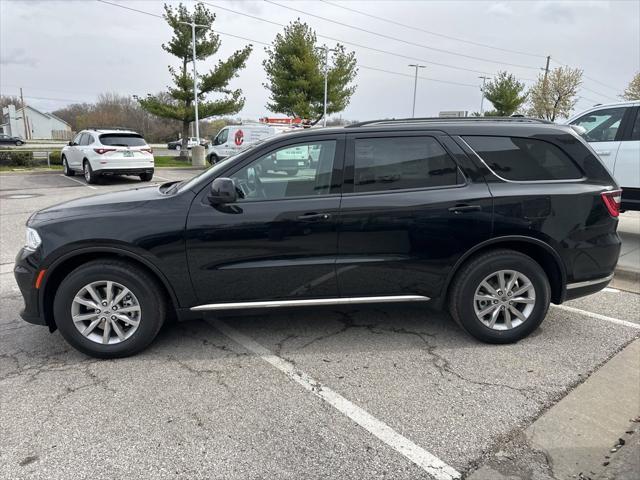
{"x": 628, "y": 269}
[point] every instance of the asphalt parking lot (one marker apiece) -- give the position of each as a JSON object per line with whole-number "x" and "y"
{"x": 395, "y": 392}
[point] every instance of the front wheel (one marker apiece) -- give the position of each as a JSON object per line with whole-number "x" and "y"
{"x": 500, "y": 296}
{"x": 146, "y": 177}
{"x": 109, "y": 309}
{"x": 18, "y": 143}
{"x": 178, "y": 147}
{"x": 213, "y": 159}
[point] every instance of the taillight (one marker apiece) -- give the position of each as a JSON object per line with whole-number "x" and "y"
{"x": 149, "y": 150}
{"x": 100, "y": 151}
{"x": 612, "y": 200}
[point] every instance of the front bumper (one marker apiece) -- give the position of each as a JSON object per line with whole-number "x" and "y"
{"x": 26, "y": 273}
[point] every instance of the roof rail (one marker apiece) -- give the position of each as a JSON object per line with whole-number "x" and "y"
{"x": 109, "y": 128}
{"x": 393, "y": 121}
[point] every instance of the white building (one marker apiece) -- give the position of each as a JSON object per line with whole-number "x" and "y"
{"x": 40, "y": 125}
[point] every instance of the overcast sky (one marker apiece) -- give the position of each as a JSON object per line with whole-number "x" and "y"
{"x": 64, "y": 52}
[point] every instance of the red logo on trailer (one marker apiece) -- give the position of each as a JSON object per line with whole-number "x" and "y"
{"x": 239, "y": 138}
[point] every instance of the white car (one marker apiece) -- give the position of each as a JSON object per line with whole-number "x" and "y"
{"x": 97, "y": 152}
{"x": 613, "y": 131}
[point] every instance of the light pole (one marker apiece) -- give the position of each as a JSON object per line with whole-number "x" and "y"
{"x": 484, "y": 79}
{"x": 326, "y": 73}
{"x": 415, "y": 86}
{"x": 195, "y": 74}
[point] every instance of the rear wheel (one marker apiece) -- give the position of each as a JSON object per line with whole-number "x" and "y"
{"x": 89, "y": 175}
{"x": 18, "y": 143}
{"x": 178, "y": 147}
{"x": 109, "y": 309}
{"x": 65, "y": 168}
{"x": 146, "y": 177}
{"x": 500, "y": 296}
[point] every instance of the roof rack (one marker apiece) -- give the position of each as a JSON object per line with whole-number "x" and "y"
{"x": 110, "y": 128}
{"x": 393, "y": 121}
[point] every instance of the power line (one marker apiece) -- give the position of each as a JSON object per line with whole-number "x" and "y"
{"x": 563, "y": 64}
{"x": 389, "y": 37}
{"x": 353, "y": 44}
{"x": 442, "y": 35}
{"x": 130, "y": 8}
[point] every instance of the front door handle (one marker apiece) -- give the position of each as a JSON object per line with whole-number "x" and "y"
{"x": 458, "y": 209}
{"x": 604, "y": 153}
{"x": 314, "y": 217}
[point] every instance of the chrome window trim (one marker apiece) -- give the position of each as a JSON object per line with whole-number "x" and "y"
{"x": 310, "y": 302}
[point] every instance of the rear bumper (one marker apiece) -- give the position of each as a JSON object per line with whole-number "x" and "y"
{"x": 581, "y": 289}
{"x": 124, "y": 171}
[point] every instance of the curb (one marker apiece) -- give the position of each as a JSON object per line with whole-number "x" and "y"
{"x": 627, "y": 279}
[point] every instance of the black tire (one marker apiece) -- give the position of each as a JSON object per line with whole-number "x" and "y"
{"x": 145, "y": 288}
{"x": 292, "y": 173}
{"x": 89, "y": 175}
{"x": 18, "y": 143}
{"x": 146, "y": 177}
{"x": 68, "y": 172}
{"x": 470, "y": 276}
{"x": 213, "y": 159}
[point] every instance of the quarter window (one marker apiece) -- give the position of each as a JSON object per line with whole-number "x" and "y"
{"x": 524, "y": 159}
{"x": 299, "y": 170}
{"x": 635, "y": 133}
{"x": 601, "y": 125}
{"x": 395, "y": 163}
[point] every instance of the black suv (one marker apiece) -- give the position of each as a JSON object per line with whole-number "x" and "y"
{"x": 492, "y": 219}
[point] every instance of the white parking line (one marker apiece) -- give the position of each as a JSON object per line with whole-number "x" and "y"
{"x": 597, "y": 316}
{"x": 78, "y": 181}
{"x": 423, "y": 459}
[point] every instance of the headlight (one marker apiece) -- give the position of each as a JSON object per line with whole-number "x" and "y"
{"x": 33, "y": 240}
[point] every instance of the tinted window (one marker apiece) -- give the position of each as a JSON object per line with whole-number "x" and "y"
{"x": 601, "y": 125}
{"x": 635, "y": 133}
{"x": 77, "y": 139}
{"x": 122, "y": 139}
{"x": 222, "y": 136}
{"x": 87, "y": 139}
{"x": 295, "y": 171}
{"x": 524, "y": 159}
{"x": 394, "y": 163}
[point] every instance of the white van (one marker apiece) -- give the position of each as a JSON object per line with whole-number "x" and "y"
{"x": 233, "y": 138}
{"x": 613, "y": 131}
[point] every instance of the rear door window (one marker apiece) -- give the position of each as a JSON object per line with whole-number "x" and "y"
{"x": 396, "y": 163}
{"x": 122, "y": 140}
{"x": 635, "y": 133}
{"x": 601, "y": 125}
{"x": 524, "y": 159}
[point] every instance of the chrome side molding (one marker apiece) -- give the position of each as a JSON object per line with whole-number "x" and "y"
{"x": 310, "y": 302}
{"x": 571, "y": 286}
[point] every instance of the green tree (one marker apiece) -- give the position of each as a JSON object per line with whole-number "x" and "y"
{"x": 505, "y": 93}
{"x": 180, "y": 105}
{"x": 557, "y": 96}
{"x": 632, "y": 92}
{"x": 295, "y": 75}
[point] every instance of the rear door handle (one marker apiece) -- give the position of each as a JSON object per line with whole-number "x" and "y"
{"x": 458, "y": 209}
{"x": 604, "y": 153}
{"x": 314, "y": 217}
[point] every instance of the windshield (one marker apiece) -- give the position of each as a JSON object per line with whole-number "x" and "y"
{"x": 213, "y": 171}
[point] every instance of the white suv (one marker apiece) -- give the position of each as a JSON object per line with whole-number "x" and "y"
{"x": 613, "y": 130}
{"x": 97, "y": 152}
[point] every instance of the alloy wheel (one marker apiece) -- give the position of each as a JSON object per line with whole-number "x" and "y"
{"x": 106, "y": 312}
{"x": 504, "y": 300}
{"x": 87, "y": 172}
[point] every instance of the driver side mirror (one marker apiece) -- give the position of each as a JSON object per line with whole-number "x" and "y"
{"x": 71, "y": 144}
{"x": 222, "y": 191}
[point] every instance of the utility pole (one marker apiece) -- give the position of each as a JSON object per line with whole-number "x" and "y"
{"x": 544, "y": 81}
{"x": 326, "y": 74}
{"x": 24, "y": 117}
{"x": 415, "y": 87}
{"x": 484, "y": 79}
{"x": 193, "y": 26}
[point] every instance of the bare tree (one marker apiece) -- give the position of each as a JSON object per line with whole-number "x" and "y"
{"x": 632, "y": 92}
{"x": 555, "y": 97}
{"x": 6, "y": 100}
